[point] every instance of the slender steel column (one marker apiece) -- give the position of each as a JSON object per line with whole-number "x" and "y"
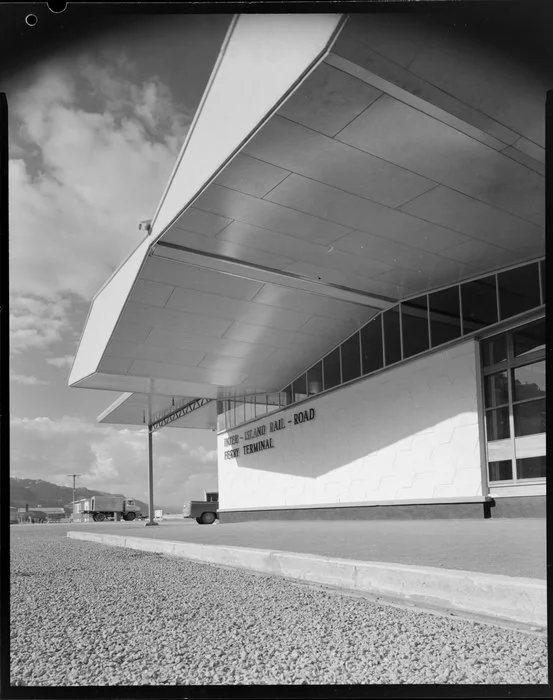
{"x": 151, "y": 520}
{"x": 73, "y": 502}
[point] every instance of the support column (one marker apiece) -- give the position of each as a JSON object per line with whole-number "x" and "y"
{"x": 151, "y": 520}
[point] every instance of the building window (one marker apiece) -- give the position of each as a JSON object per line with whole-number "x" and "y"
{"x": 529, "y": 418}
{"x": 498, "y": 424}
{"x": 445, "y": 316}
{"x": 238, "y": 410}
{"x": 496, "y": 391}
{"x": 529, "y": 381}
{"x": 351, "y": 358}
{"x": 414, "y": 326}
{"x": 479, "y": 304}
{"x": 274, "y": 401}
{"x": 371, "y": 346}
{"x": 494, "y": 351}
{"x": 514, "y": 403}
{"x": 501, "y": 471}
{"x": 529, "y": 398}
{"x": 530, "y": 339}
{"x": 331, "y": 369}
{"x": 315, "y": 379}
{"x": 261, "y": 406}
{"x": 287, "y": 395}
{"x": 299, "y": 389}
{"x": 392, "y": 338}
{"x": 249, "y": 409}
{"x": 531, "y": 467}
{"x": 519, "y": 290}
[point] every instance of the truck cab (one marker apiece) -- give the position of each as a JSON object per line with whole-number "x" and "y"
{"x": 206, "y": 512}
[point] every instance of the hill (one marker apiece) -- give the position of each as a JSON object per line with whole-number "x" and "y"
{"x": 36, "y": 492}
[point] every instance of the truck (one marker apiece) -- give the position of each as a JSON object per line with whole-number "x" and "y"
{"x": 206, "y": 512}
{"x": 103, "y": 507}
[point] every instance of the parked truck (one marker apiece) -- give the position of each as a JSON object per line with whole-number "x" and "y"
{"x": 206, "y": 512}
{"x": 103, "y": 507}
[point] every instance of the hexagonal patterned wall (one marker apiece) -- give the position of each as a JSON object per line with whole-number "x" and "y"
{"x": 407, "y": 433}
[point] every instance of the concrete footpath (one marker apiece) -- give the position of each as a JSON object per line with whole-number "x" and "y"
{"x": 491, "y": 569}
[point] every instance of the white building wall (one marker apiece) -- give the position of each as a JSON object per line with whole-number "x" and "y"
{"x": 407, "y": 433}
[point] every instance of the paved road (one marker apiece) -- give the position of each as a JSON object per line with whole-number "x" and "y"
{"x": 86, "y": 614}
{"x": 513, "y": 547}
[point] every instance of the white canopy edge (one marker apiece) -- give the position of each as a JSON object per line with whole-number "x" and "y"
{"x": 104, "y": 313}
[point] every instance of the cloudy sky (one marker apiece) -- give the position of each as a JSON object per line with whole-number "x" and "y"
{"x": 94, "y": 133}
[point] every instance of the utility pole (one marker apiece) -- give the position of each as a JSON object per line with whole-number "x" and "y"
{"x": 73, "y": 501}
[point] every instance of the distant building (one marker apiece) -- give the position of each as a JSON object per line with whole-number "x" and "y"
{"x": 54, "y": 513}
{"x": 38, "y": 513}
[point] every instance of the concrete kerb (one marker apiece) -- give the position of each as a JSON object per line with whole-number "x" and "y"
{"x": 509, "y": 598}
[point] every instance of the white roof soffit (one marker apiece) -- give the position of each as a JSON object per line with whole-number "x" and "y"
{"x": 263, "y": 57}
{"x": 354, "y": 194}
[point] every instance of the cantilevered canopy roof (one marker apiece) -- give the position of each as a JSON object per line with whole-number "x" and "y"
{"x": 330, "y": 171}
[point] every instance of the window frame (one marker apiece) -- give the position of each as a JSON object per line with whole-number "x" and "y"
{"x": 508, "y": 365}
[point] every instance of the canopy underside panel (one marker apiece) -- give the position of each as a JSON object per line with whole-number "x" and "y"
{"x": 377, "y": 179}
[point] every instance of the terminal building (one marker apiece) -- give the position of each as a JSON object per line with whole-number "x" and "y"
{"x": 345, "y": 276}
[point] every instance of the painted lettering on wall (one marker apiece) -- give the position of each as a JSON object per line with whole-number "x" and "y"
{"x": 260, "y": 431}
{"x": 304, "y": 416}
{"x": 255, "y": 432}
{"x": 258, "y": 446}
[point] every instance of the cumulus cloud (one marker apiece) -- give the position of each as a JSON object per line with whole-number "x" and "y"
{"x": 92, "y": 151}
{"x": 110, "y": 458}
{"x": 151, "y": 103}
{"x": 27, "y": 380}
{"x": 37, "y": 323}
{"x": 65, "y": 361}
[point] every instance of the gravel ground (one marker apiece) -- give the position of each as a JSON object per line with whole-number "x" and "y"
{"x": 87, "y": 614}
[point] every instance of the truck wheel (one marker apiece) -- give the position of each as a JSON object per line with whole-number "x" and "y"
{"x": 206, "y": 518}
{"x": 130, "y": 516}
{"x": 99, "y": 517}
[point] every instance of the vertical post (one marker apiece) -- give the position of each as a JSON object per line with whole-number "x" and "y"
{"x": 151, "y": 520}
{"x": 73, "y": 502}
